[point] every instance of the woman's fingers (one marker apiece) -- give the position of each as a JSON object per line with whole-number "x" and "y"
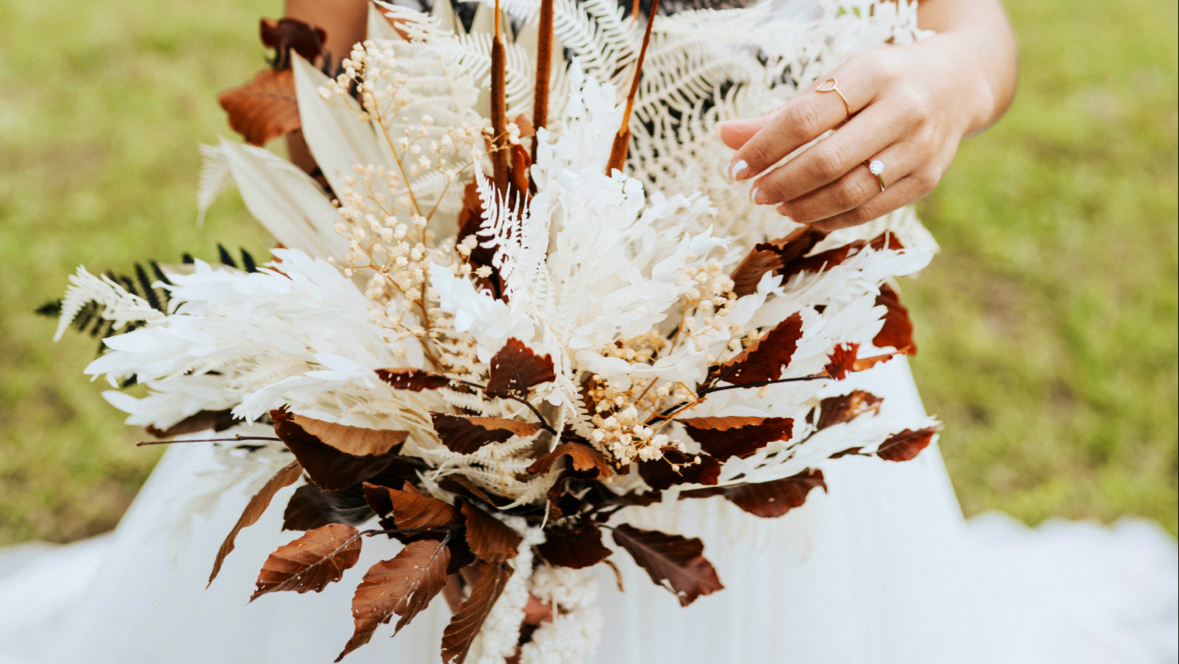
{"x": 798, "y": 122}
{"x": 905, "y": 191}
{"x": 866, "y": 135}
{"x": 856, "y": 187}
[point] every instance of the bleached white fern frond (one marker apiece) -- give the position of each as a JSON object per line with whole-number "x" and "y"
{"x": 472, "y": 54}
{"x": 117, "y": 305}
{"x": 215, "y": 178}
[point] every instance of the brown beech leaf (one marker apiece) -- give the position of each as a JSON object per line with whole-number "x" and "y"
{"x": 836, "y": 410}
{"x": 344, "y": 457}
{"x": 773, "y": 499}
{"x": 288, "y": 34}
{"x": 466, "y": 435}
{"x": 582, "y": 458}
{"x": 764, "y": 359}
{"x": 490, "y": 539}
{"x": 404, "y": 585}
{"x": 311, "y": 507}
{"x": 468, "y": 620}
{"x": 254, "y": 509}
{"x": 898, "y": 329}
{"x": 577, "y": 547}
{"x": 263, "y": 109}
{"x": 415, "y": 380}
{"x": 773, "y": 256}
{"x": 675, "y": 467}
{"x": 841, "y": 360}
{"x": 470, "y": 220}
{"x": 674, "y": 562}
{"x": 205, "y": 420}
{"x": 518, "y": 174}
{"x": 725, "y": 437}
{"x": 515, "y": 369}
{"x": 311, "y": 562}
{"x": 906, "y": 445}
{"x": 410, "y": 508}
{"x": 824, "y": 260}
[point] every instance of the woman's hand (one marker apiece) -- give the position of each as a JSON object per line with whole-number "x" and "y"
{"x": 910, "y": 106}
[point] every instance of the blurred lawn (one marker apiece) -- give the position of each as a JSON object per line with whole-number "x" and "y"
{"x": 1047, "y": 327}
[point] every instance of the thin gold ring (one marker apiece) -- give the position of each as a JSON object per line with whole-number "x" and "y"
{"x": 835, "y": 88}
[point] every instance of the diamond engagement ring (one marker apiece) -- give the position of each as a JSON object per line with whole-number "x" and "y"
{"x": 876, "y": 167}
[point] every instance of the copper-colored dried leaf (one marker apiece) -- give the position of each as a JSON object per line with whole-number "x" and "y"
{"x": 865, "y": 363}
{"x": 525, "y": 125}
{"x": 470, "y": 220}
{"x": 254, "y": 509}
{"x": 310, "y": 562}
{"x": 414, "y": 380}
{"x": 675, "y": 467}
{"x": 263, "y": 109}
{"x": 410, "y": 508}
{"x": 764, "y": 359}
{"x": 356, "y": 441}
{"x": 582, "y": 458}
{"x": 490, "y": 539}
{"x": 515, "y": 369}
{"x": 845, "y": 408}
{"x": 576, "y": 547}
{"x": 772, "y": 256}
{"x": 773, "y": 499}
{"x": 311, "y": 507}
{"x": 898, "y": 328}
{"x": 821, "y": 261}
{"x": 288, "y": 34}
{"x": 672, "y": 561}
{"x": 329, "y": 466}
{"x": 906, "y": 445}
{"x": 403, "y": 586}
{"x": 466, "y": 435}
{"x": 205, "y": 420}
{"x": 468, "y": 620}
{"x": 725, "y": 437}
{"x": 518, "y": 175}
{"x": 841, "y": 360}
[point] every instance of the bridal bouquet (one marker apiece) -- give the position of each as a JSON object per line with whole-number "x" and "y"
{"x": 483, "y": 331}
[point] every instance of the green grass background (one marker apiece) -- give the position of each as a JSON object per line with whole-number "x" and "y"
{"x": 1047, "y": 327}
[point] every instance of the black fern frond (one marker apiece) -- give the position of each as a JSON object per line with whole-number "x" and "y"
{"x": 187, "y": 259}
{"x": 50, "y": 309}
{"x": 248, "y": 263}
{"x": 226, "y": 258}
{"x": 149, "y": 292}
{"x": 155, "y": 268}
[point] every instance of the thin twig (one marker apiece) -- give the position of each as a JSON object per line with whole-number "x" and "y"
{"x": 206, "y": 440}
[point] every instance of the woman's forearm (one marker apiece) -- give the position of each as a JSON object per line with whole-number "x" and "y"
{"x": 977, "y": 37}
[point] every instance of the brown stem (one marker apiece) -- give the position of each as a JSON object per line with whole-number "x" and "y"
{"x": 622, "y": 138}
{"x": 205, "y": 440}
{"x": 499, "y": 119}
{"x": 544, "y": 58}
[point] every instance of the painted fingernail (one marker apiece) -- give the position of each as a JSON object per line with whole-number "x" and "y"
{"x": 737, "y": 169}
{"x": 782, "y": 210}
{"x": 716, "y": 128}
{"x": 758, "y": 196}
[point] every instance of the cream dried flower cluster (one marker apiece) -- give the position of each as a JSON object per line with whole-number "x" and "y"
{"x": 492, "y": 337}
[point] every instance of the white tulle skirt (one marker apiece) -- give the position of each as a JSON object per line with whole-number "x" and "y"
{"x": 883, "y": 569}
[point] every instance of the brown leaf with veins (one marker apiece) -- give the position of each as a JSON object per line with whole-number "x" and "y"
{"x": 582, "y": 458}
{"x": 906, "y": 445}
{"x": 577, "y": 547}
{"x": 263, "y": 109}
{"x": 403, "y": 586}
{"x": 344, "y": 457}
{"x": 466, "y": 435}
{"x": 725, "y": 437}
{"x": 310, "y": 562}
{"x": 410, "y": 508}
{"x": 414, "y": 380}
{"x": 490, "y": 539}
{"x": 841, "y": 360}
{"x": 205, "y": 420}
{"x": 836, "y": 410}
{"x": 772, "y": 256}
{"x": 764, "y": 359}
{"x": 311, "y": 507}
{"x": 288, "y": 34}
{"x": 672, "y": 561}
{"x": 515, "y": 369}
{"x": 773, "y": 499}
{"x": 898, "y": 328}
{"x": 254, "y": 509}
{"x": 468, "y": 620}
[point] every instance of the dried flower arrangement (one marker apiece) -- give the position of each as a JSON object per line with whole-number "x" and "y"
{"x": 495, "y": 333}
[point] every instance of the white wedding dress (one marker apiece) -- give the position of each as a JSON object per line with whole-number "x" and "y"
{"x": 883, "y": 569}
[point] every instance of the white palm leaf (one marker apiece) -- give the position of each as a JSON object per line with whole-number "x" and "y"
{"x": 214, "y": 179}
